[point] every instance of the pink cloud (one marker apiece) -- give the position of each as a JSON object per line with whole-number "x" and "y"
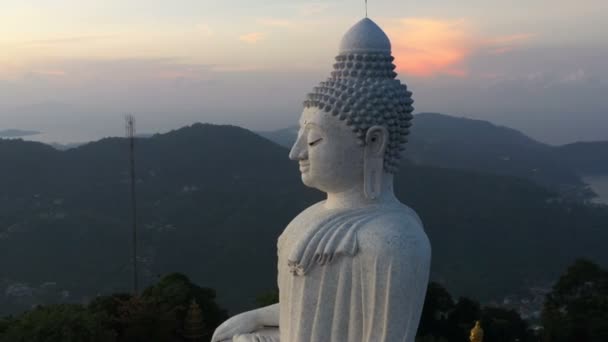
{"x": 427, "y": 47}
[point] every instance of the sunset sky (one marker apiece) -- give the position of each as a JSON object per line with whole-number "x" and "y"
{"x": 75, "y": 67}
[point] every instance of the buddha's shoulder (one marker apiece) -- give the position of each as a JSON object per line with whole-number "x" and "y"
{"x": 309, "y": 214}
{"x": 396, "y": 230}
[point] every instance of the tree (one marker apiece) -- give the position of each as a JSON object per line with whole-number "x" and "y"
{"x": 501, "y": 325}
{"x": 438, "y": 305}
{"x": 145, "y": 320}
{"x": 193, "y": 324}
{"x": 176, "y": 291}
{"x": 159, "y": 314}
{"x": 162, "y": 313}
{"x": 444, "y": 320}
{"x": 462, "y": 319}
{"x": 577, "y": 307}
{"x": 58, "y": 323}
{"x": 4, "y": 325}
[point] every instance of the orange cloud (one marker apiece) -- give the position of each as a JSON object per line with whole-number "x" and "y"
{"x": 252, "y": 37}
{"x": 274, "y": 22}
{"x": 427, "y": 47}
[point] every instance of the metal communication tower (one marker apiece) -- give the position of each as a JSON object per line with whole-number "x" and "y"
{"x": 130, "y": 127}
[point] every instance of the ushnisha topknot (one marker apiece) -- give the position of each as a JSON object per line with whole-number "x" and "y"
{"x": 366, "y": 102}
{"x": 363, "y": 90}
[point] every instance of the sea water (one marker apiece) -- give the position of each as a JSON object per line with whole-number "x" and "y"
{"x": 599, "y": 184}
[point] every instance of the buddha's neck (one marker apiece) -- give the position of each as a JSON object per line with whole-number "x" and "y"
{"x": 355, "y": 197}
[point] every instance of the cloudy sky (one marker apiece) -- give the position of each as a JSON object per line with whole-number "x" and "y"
{"x": 72, "y": 68}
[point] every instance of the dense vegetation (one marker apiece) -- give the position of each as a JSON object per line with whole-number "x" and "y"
{"x": 213, "y": 200}
{"x": 160, "y": 314}
{"x": 444, "y": 319}
{"x": 590, "y": 158}
{"x": 575, "y": 310}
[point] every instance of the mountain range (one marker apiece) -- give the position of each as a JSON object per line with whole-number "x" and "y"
{"x": 212, "y": 201}
{"x": 588, "y": 158}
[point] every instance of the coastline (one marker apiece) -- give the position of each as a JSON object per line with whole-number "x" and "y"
{"x": 599, "y": 184}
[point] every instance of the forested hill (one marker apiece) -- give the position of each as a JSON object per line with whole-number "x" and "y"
{"x": 479, "y": 145}
{"x": 589, "y": 158}
{"x": 212, "y": 201}
{"x": 454, "y": 142}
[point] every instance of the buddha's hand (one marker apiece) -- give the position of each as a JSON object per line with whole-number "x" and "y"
{"x": 240, "y": 324}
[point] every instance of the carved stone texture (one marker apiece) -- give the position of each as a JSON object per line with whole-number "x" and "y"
{"x": 363, "y": 90}
{"x": 354, "y": 267}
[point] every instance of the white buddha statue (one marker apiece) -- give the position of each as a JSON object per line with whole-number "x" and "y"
{"x": 354, "y": 267}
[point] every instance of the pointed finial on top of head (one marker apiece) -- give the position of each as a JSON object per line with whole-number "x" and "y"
{"x": 365, "y": 37}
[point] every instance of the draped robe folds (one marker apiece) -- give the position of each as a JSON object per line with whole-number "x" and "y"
{"x": 352, "y": 275}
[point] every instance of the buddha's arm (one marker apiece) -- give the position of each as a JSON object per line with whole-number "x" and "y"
{"x": 268, "y": 316}
{"x": 247, "y": 322}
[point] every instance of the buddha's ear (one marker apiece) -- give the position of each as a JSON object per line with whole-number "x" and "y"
{"x": 376, "y": 140}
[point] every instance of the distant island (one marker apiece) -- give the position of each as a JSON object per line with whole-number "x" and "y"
{"x": 17, "y": 133}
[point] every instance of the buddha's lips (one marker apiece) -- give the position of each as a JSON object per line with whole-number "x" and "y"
{"x": 304, "y": 166}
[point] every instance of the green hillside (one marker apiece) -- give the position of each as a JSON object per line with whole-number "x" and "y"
{"x": 587, "y": 158}
{"x": 213, "y": 200}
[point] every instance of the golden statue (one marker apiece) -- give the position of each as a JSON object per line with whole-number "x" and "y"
{"x": 476, "y": 333}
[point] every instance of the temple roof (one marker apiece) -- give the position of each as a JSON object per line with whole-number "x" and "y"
{"x": 365, "y": 36}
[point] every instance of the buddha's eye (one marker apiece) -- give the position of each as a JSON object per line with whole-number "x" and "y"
{"x": 316, "y": 141}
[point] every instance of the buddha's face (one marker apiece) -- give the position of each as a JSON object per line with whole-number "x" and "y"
{"x": 330, "y": 158}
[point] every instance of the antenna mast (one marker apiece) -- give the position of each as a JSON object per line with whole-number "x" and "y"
{"x": 130, "y": 127}
{"x": 366, "y": 8}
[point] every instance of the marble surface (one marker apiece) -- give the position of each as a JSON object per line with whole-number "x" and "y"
{"x": 354, "y": 267}
{"x": 365, "y": 36}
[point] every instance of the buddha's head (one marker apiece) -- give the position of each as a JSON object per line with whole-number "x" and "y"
{"x": 354, "y": 125}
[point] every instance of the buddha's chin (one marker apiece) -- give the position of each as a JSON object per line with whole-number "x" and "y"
{"x": 312, "y": 182}
{"x": 307, "y": 179}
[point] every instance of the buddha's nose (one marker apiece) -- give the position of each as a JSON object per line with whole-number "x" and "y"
{"x": 299, "y": 150}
